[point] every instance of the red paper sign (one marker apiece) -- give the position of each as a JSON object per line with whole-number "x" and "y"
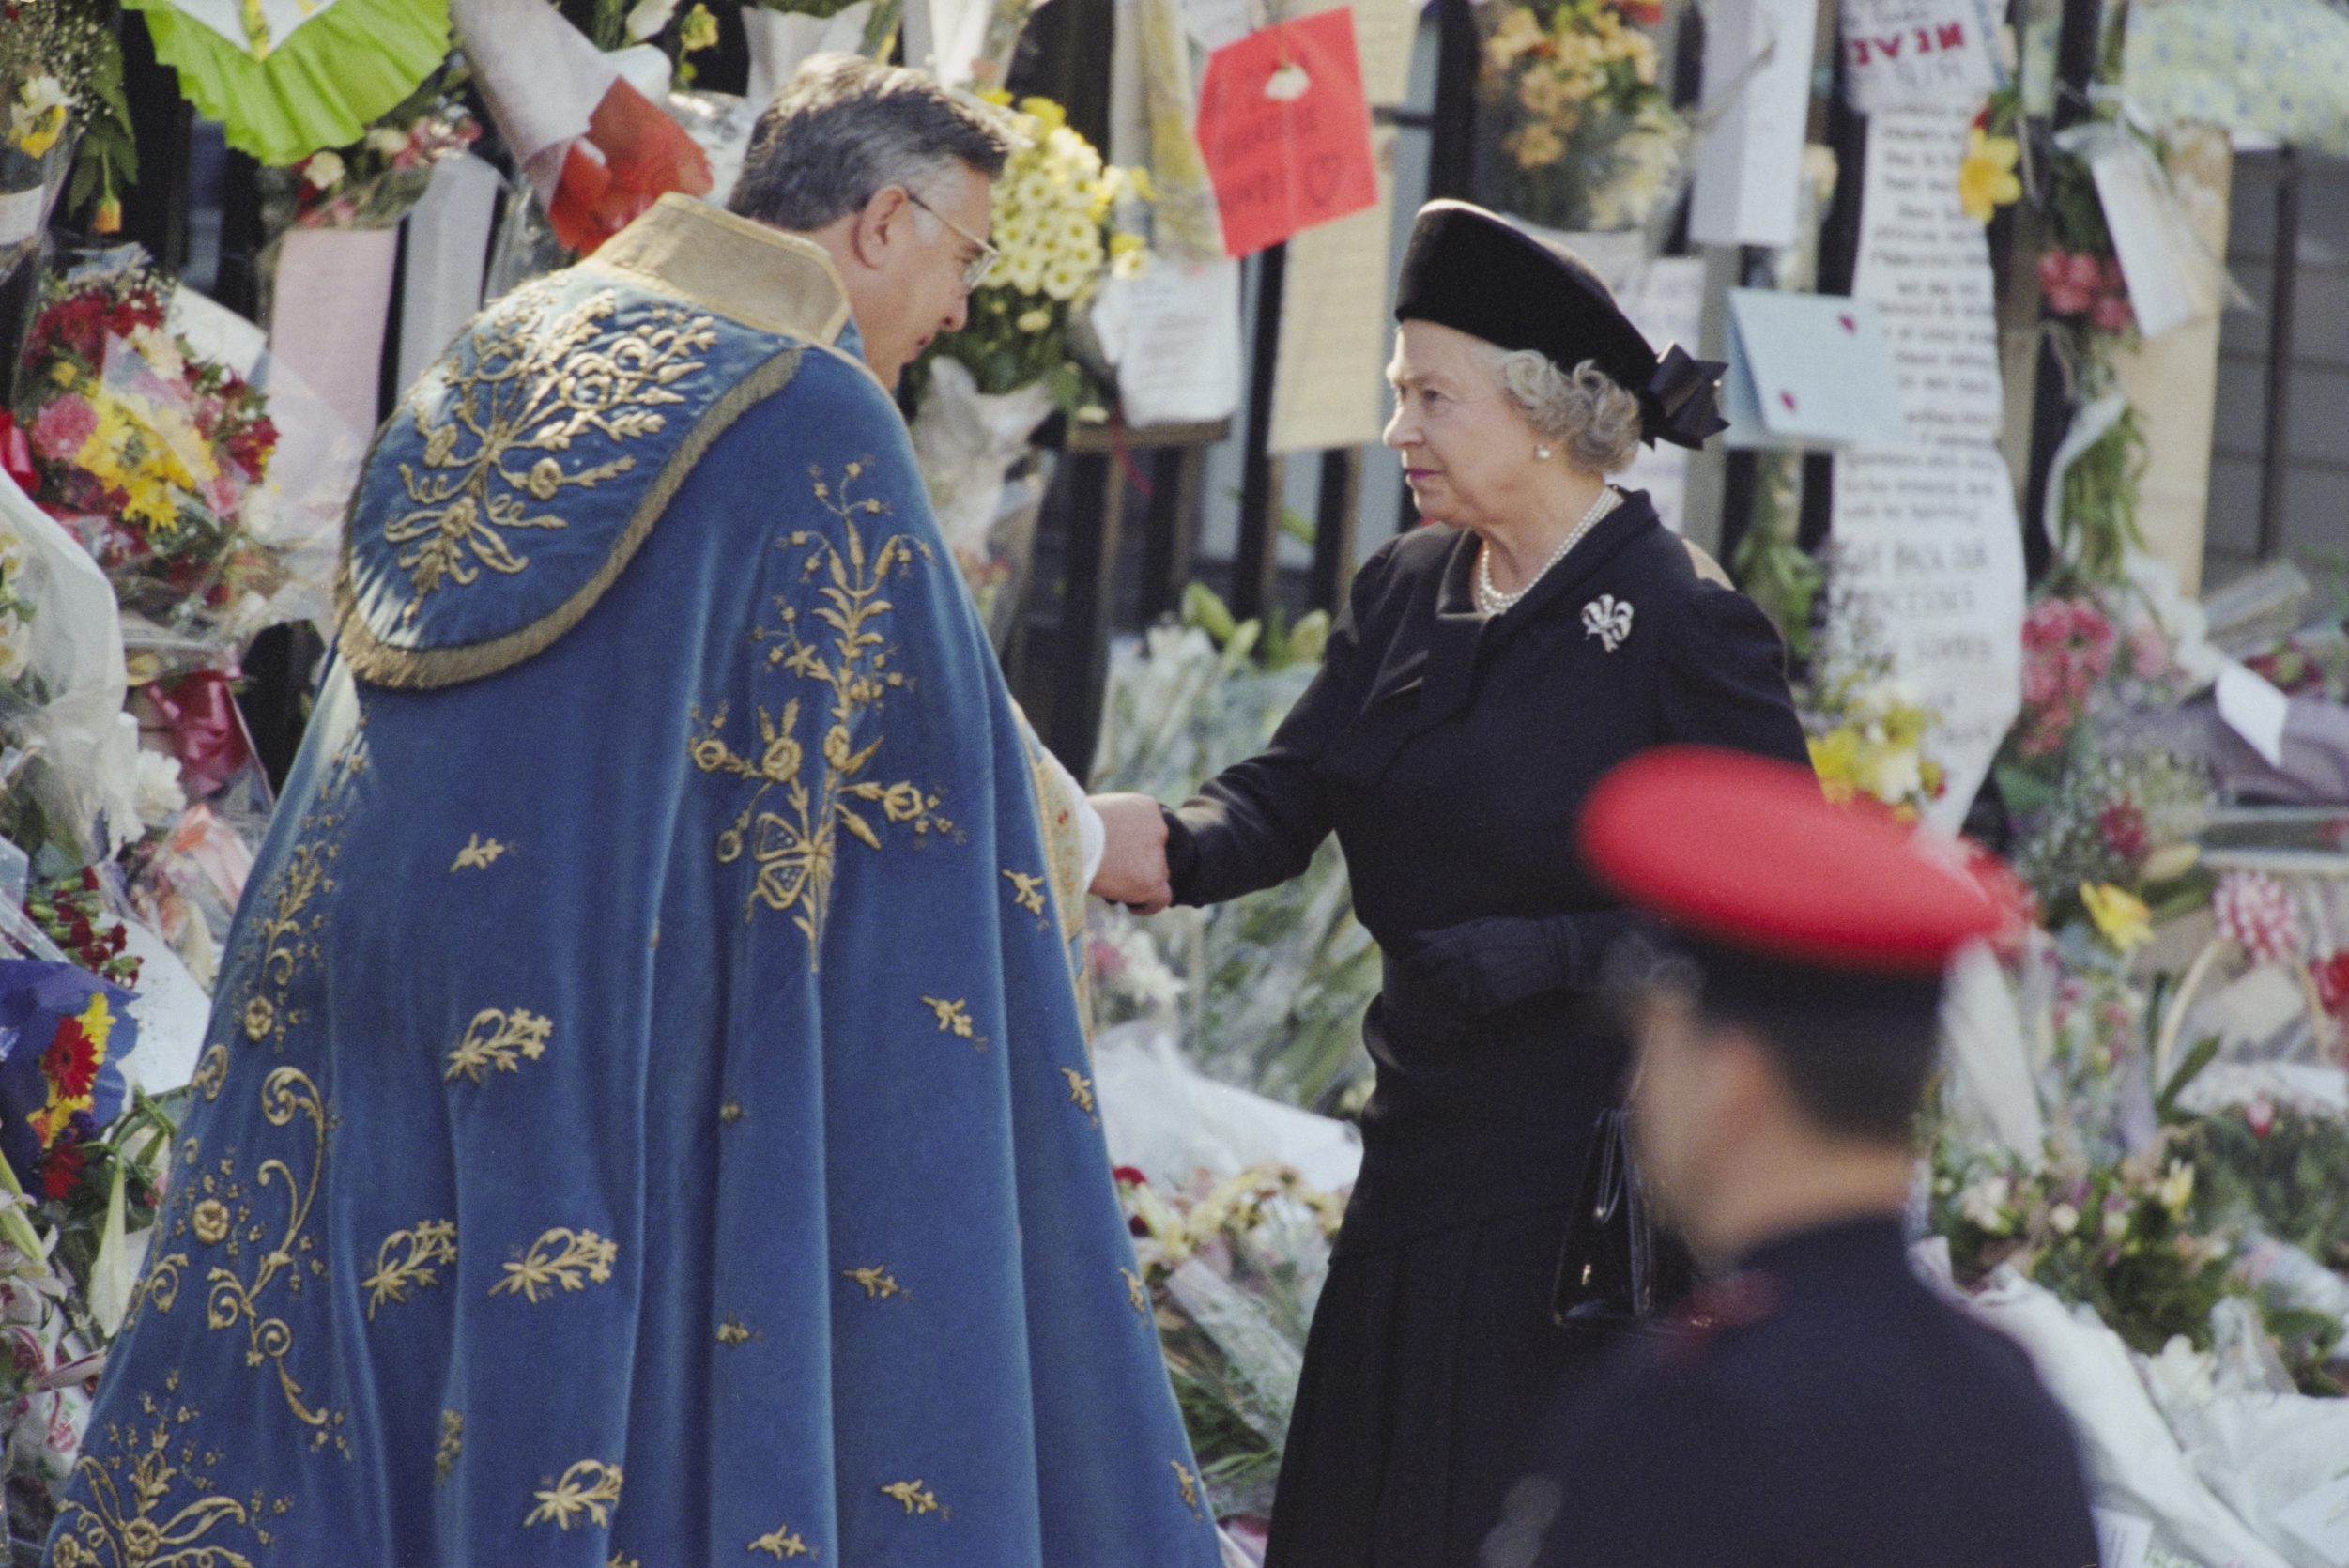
{"x": 1285, "y": 131}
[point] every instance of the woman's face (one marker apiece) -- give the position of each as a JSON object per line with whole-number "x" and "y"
{"x": 1467, "y": 448}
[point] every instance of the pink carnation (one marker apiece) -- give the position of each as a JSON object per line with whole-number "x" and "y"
{"x": 2256, "y": 912}
{"x": 63, "y": 426}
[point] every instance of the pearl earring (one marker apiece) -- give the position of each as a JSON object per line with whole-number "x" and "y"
{"x": 1543, "y": 452}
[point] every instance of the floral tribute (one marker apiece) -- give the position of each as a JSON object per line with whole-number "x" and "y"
{"x": 1586, "y": 136}
{"x": 143, "y": 448}
{"x": 1055, "y": 230}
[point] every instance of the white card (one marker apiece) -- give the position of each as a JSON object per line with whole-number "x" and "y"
{"x": 1173, "y": 333}
{"x": 1749, "y": 168}
{"x": 1909, "y": 53}
{"x": 2255, "y": 710}
{"x": 1814, "y": 369}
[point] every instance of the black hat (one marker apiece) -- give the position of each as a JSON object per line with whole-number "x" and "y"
{"x": 1479, "y": 273}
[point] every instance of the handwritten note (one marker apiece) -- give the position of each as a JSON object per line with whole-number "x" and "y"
{"x": 1928, "y": 540}
{"x": 1911, "y": 54}
{"x": 1173, "y": 335}
{"x": 1285, "y": 131}
{"x": 1927, "y": 267}
{"x": 1328, "y": 383}
{"x": 1757, "y": 78}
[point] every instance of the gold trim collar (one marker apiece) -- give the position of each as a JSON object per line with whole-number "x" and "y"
{"x": 747, "y": 271}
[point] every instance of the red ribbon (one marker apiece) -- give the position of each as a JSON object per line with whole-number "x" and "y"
{"x": 16, "y": 454}
{"x": 206, "y": 733}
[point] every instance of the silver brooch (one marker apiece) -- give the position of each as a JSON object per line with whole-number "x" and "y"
{"x": 1607, "y": 619}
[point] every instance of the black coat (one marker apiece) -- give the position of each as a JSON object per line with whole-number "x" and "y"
{"x": 1836, "y": 1413}
{"x": 1452, "y": 754}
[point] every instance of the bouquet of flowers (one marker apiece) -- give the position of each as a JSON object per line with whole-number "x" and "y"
{"x": 60, "y": 79}
{"x": 1233, "y": 1271}
{"x": 2121, "y": 1236}
{"x": 979, "y": 393}
{"x": 1274, "y": 984}
{"x": 1054, "y": 224}
{"x": 1586, "y": 137}
{"x": 143, "y": 448}
{"x": 1868, "y": 727}
{"x": 374, "y": 182}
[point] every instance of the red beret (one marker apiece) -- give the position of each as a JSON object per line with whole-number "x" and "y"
{"x": 1744, "y": 852}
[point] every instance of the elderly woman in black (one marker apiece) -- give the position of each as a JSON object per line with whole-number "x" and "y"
{"x": 1487, "y": 672}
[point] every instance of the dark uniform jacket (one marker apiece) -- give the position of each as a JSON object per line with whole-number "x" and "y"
{"x": 1450, "y": 753}
{"x": 1823, "y": 1409}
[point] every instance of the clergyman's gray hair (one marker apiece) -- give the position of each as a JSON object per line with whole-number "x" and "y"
{"x": 843, "y": 128}
{"x": 1588, "y": 412}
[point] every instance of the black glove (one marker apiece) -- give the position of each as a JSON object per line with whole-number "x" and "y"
{"x": 1479, "y": 967}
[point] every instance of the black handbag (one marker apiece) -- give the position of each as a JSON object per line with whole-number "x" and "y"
{"x": 1619, "y": 1270}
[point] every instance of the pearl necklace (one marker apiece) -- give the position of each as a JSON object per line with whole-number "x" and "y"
{"x": 1492, "y": 601}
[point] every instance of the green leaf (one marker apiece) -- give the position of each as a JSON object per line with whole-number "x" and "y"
{"x": 2205, "y": 1051}
{"x": 2024, "y": 791}
{"x": 1203, "y": 609}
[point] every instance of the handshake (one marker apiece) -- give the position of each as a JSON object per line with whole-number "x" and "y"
{"x": 1133, "y": 855}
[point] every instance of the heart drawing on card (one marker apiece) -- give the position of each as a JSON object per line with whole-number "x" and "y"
{"x": 1788, "y": 398}
{"x": 1846, "y": 322}
{"x": 1323, "y": 172}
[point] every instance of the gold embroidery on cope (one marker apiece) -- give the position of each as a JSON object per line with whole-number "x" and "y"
{"x": 1027, "y": 892}
{"x": 573, "y": 1259}
{"x": 780, "y": 1542}
{"x": 1080, "y": 1089}
{"x": 407, "y": 1261}
{"x": 877, "y": 1281}
{"x": 954, "y": 1018}
{"x": 232, "y": 1299}
{"x": 146, "y": 1511}
{"x": 619, "y": 1562}
{"x": 1189, "y": 1481}
{"x": 734, "y": 1332}
{"x": 211, "y": 1074}
{"x": 730, "y": 1113}
{"x": 918, "y": 1498}
{"x": 452, "y": 1445}
{"x": 531, "y": 388}
{"x": 479, "y": 854}
{"x": 590, "y": 1487}
{"x": 283, "y": 939}
{"x": 796, "y": 848}
{"x": 497, "y": 1040}
{"x": 1136, "y": 1297}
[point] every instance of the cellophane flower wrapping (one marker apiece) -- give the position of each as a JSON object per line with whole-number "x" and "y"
{"x": 1271, "y": 986}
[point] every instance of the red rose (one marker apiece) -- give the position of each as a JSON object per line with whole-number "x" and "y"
{"x": 2260, "y": 1116}
{"x": 1126, "y": 1176}
{"x": 61, "y": 1169}
{"x": 2122, "y": 829}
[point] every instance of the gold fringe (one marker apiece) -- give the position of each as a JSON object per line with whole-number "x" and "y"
{"x": 427, "y": 669}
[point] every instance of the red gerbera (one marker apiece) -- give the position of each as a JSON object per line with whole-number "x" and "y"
{"x": 71, "y": 1060}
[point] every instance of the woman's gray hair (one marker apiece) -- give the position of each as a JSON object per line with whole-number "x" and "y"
{"x": 843, "y": 128}
{"x": 1587, "y": 412}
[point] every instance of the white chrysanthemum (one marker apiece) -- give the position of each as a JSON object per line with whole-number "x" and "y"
{"x": 161, "y": 800}
{"x": 1063, "y": 281}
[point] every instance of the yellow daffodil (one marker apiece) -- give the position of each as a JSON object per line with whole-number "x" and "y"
{"x": 2121, "y": 916}
{"x": 1987, "y": 179}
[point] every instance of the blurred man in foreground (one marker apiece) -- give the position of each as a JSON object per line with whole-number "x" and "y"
{"x": 1817, "y": 1404}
